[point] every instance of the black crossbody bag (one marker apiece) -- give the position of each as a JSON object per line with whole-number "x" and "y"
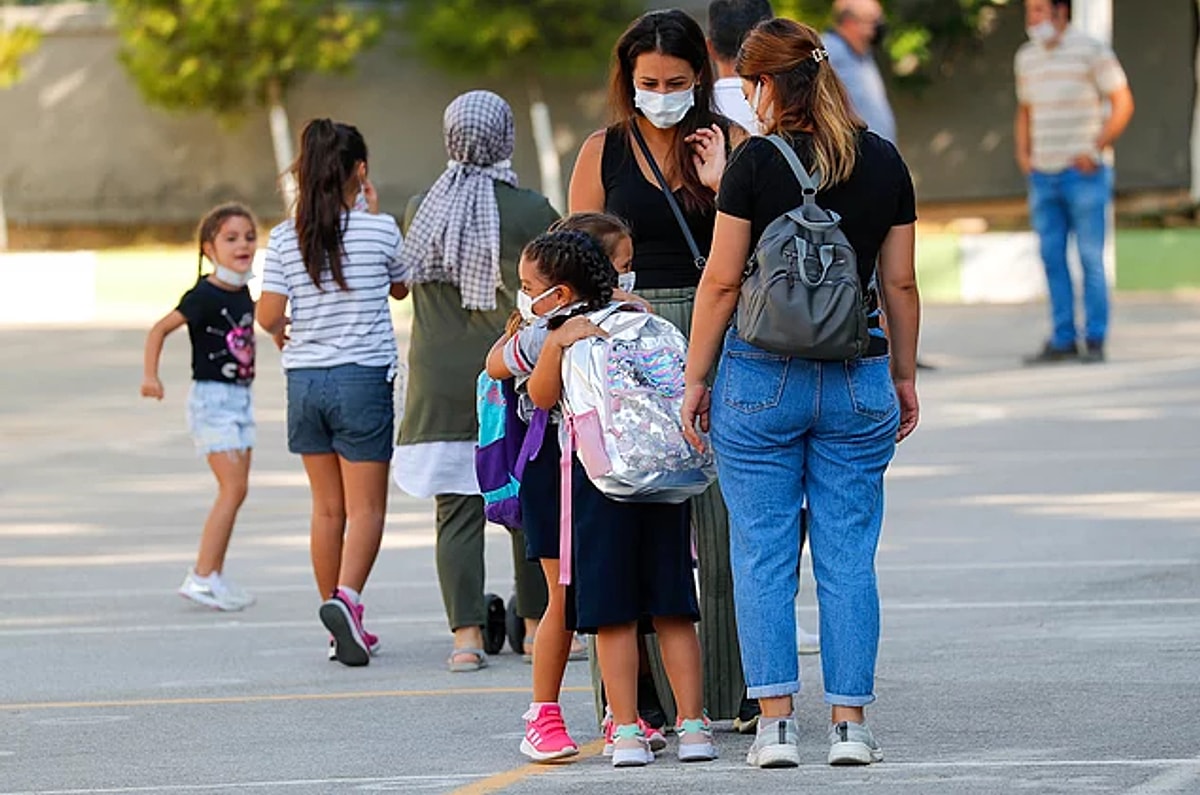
{"x": 697, "y": 258}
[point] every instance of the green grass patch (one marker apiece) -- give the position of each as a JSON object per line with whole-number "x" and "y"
{"x": 939, "y": 276}
{"x": 1158, "y": 260}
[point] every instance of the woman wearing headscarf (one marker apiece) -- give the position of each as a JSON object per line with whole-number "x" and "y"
{"x": 463, "y": 239}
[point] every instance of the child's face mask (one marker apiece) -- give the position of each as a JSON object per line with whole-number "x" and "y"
{"x": 526, "y": 303}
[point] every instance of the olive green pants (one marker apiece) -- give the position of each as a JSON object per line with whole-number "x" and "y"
{"x": 460, "y": 566}
{"x": 723, "y": 682}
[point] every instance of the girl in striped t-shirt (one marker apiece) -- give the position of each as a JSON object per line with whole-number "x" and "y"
{"x": 337, "y": 266}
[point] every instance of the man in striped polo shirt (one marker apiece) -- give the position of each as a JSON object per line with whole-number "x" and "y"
{"x": 1064, "y": 136}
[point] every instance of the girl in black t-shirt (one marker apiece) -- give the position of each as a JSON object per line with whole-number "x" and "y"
{"x": 219, "y": 314}
{"x": 786, "y": 429}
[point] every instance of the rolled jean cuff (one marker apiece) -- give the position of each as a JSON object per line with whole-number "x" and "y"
{"x": 774, "y": 691}
{"x": 848, "y": 701}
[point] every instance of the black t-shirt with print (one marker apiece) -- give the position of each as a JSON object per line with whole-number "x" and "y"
{"x": 221, "y": 326}
{"x": 758, "y": 186}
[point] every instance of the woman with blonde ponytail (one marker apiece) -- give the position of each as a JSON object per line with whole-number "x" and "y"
{"x": 787, "y": 430}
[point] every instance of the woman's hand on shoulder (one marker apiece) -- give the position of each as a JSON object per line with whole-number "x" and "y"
{"x": 708, "y": 155}
{"x": 574, "y": 330}
{"x": 631, "y": 298}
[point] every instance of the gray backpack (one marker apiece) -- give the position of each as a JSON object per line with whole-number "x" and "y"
{"x": 801, "y": 294}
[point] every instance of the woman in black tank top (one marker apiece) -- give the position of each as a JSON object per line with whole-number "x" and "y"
{"x": 662, "y": 87}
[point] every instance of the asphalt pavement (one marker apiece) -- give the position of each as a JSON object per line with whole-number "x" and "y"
{"x": 1039, "y": 570}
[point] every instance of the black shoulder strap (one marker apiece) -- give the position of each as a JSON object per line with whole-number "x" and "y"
{"x": 697, "y": 257}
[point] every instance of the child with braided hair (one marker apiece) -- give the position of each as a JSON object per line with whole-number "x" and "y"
{"x": 632, "y": 561}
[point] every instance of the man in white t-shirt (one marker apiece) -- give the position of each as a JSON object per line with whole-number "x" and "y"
{"x": 728, "y": 23}
{"x": 1073, "y": 102}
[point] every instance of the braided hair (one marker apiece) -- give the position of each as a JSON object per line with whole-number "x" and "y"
{"x": 576, "y": 260}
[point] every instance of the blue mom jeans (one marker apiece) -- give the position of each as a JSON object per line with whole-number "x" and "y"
{"x": 785, "y": 430}
{"x": 1062, "y": 203}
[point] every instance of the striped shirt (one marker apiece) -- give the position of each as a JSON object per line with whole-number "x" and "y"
{"x": 1066, "y": 88}
{"x": 331, "y": 326}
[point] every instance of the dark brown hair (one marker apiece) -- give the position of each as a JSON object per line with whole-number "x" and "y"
{"x": 809, "y": 97}
{"x": 329, "y": 153}
{"x": 574, "y": 258}
{"x": 605, "y": 228}
{"x": 673, "y": 33}
{"x": 210, "y": 226}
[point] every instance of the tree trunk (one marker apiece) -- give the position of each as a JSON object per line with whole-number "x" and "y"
{"x": 1196, "y": 122}
{"x": 281, "y": 142}
{"x": 543, "y": 137}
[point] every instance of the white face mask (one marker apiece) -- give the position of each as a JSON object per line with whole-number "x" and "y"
{"x": 763, "y": 123}
{"x": 525, "y": 303}
{"x": 233, "y": 278}
{"x": 625, "y": 281}
{"x": 664, "y": 110}
{"x": 1042, "y": 33}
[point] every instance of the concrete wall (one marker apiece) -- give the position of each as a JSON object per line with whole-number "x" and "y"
{"x": 78, "y": 145}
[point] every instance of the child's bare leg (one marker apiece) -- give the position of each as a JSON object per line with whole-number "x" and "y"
{"x": 681, "y": 657}
{"x": 616, "y": 650}
{"x": 365, "y": 484}
{"x": 552, "y": 643}
{"x": 328, "y": 519}
{"x": 232, "y": 470}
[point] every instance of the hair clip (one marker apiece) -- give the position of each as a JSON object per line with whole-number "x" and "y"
{"x": 820, "y": 54}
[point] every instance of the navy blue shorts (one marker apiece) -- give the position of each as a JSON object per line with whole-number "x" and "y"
{"x": 539, "y": 500}
{"x": 632, "y": 561}
{"x": 345, "y": 409}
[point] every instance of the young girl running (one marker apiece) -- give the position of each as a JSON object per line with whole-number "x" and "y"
{"x": 219, "y": 314}
{"x": 337, "y": 266}
{"x": 632, "y": 560}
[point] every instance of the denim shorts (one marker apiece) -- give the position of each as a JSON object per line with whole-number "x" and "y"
{"x": 220, "y": 416}
{"x": 345, "y": 409}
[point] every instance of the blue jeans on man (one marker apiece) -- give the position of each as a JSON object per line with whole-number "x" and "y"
{"x": 1062, "y": 203}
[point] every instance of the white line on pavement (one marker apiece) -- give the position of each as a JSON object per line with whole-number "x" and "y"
{"x": 499, "y": 587}
{"x": 431, "y": 619}
{"x": 582, "y": 773}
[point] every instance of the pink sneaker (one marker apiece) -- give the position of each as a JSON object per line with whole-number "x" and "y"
{"x": 342, "y": 617}
{"x": 372, "y": 640}
{"x": 546, "y": 737}
{"x": 653, "y": 736}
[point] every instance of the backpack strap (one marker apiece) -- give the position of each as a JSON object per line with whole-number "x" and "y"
{"x": 808, "y": 183}
{"x": 565, "y": 506}
{"x": 697, "y": 258}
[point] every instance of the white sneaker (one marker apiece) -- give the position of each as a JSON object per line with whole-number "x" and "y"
{"x": 630, "y": 747}
{"x": 212, "y": 591}
{"x": 853, "y": 744}
{"x": 235, "y": 593}
{"x": 807, "y": 642}
{"x": 775, "y": 745}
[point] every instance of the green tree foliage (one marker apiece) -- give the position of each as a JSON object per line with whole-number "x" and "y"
{"x": 517, "y": 38}
{"x": 15, "y": 44}
{"x": 924, "y": 35}
{"x": 227, "y": 56}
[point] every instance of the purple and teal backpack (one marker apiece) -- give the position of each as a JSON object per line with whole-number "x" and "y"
{"x": 506, "y": 444}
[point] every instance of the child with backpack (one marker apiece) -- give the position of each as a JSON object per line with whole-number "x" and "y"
{"x": 631, "y": 560}
{"x": 219, "y": 314}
